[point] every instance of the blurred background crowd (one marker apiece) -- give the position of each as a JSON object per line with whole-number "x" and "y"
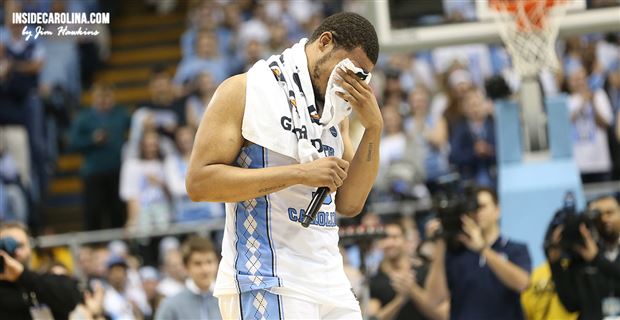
{"x": 96, "y": 132}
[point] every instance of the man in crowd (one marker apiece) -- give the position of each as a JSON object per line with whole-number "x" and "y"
{"x": 99, "y": 134}
{"x": 25, "y": 294}
{"x": 175, "y": 274}
{"x": 395, "y": 291}
{"x": 483, "y": 279}
{"x": 121, "y": 300}
{"x": 589, "y": 281}
{"x": 472, "y": 140}
{"x": 196, "y": 300}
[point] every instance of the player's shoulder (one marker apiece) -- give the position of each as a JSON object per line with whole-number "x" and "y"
{"x": 230, "y": 94}
{"x": 234, "y": 85}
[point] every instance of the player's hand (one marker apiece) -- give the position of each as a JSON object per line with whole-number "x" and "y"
{"x": 360, "y": 97}
{"x": 325, "y": 172}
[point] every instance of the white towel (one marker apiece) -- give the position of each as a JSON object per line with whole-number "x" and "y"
{"x": 336, "y": 109}
{"x": 280, "y": 112}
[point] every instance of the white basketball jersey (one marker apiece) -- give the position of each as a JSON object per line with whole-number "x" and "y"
{"x": 265, "y": 246}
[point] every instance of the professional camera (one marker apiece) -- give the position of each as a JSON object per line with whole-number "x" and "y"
{"x": 571, "y": 236}
{"x": 497, "y": 88}
{"x": 8, "y": 245}
{"x": 570, "y": 220}
{"x": 453, "y": 200}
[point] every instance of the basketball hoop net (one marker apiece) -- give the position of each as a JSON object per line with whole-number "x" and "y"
{"x": 529, "y": 29}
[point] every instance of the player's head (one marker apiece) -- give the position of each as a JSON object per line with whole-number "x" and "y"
{"x": 342, "y": 35}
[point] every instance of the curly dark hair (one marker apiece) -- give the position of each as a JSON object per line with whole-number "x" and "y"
{"x": 350, "y": 30}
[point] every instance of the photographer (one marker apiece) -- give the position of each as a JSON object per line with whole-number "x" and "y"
{"x": 589, "y": 281}
{"x": 484, "y": 277}
{"x": 25, "y": 294}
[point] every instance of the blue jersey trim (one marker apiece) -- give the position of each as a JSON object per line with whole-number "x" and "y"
{"x": 255, "y": 263}
{"x": 260, "y": 304}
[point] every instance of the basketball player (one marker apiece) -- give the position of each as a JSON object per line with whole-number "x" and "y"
{"x": 272, "y": 267}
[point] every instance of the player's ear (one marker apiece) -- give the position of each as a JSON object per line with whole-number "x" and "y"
{"x": 326, "y": 41}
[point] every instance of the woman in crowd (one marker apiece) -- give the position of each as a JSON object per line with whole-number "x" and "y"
{"x": 143, "y": 187}
{"x": 197, "y": 103}
{"x": 432, "y": 132}
{"x": 175, "y": 171}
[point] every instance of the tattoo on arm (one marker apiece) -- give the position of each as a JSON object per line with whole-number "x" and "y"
{"x": 268, "y": 189}
{"x": 369, "y": 155}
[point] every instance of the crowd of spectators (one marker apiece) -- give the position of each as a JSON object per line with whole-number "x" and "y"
{"x": 437, "y": 114}
{"x": 40, "y": 87}
{"x": 438, "y": 119}
{"x": 115, "y": 283}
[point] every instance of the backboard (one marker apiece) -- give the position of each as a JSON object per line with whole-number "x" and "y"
{"x": 420, "y": 25}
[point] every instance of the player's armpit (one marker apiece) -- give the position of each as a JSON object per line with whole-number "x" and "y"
{"x": 211, "y": 175}
{"x": 218, "y": 139}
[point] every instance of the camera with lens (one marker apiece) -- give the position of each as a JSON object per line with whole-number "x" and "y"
{"x": 453, "y": 200}
{"x": 570, "y": 219}
{"x": 8, "y": 245}
{"x": 571, "y": 236}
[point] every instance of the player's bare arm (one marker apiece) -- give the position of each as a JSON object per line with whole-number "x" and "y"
{"x": 364, "y": 164}
{"x": 212, "y": 175}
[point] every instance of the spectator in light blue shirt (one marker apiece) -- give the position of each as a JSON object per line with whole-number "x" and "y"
{"x": 196, "y": 301}
{"x": 207, "y": 58}
{"x": 175, "y": 168}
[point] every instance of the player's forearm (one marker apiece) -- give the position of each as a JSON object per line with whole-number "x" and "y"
{"x": 361, "y": 175}
{"x": 225, "y": 183}
{"x": 508, "y": 273}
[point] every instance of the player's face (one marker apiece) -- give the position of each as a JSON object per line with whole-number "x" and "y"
{"x": 202, "y": 267}
{"x": 329, "y": 57}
